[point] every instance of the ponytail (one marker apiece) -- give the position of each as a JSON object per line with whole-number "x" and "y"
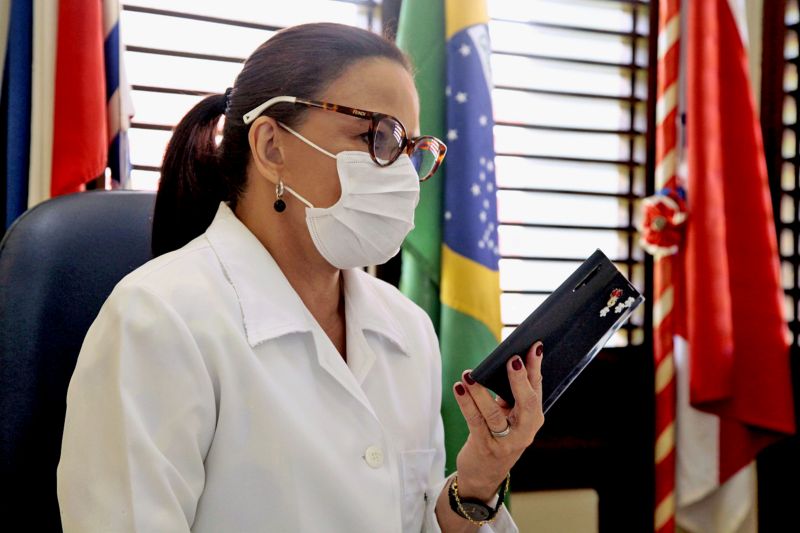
{"x": 192, "y": 185}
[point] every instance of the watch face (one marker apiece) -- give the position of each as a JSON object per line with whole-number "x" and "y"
{"x": 476, "y": 511}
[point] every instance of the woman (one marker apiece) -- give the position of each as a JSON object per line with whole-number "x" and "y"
{"x": 252, "y": 378}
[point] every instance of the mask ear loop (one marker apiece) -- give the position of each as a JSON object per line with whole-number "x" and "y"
{"x": 308, "y": 204}
{"x": 310, "y": 143}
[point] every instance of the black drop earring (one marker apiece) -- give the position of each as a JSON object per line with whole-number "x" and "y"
{"x": 279, "y": 204}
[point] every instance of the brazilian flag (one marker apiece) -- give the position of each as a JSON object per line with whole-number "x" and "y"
{"x": 450, "y": 260}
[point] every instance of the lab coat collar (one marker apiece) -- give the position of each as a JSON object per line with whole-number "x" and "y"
{"x": 270, "y": 307}
{"x": 369, "y": 311}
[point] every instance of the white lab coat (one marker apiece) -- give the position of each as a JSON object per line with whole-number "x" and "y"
{"x": 207, "y": 398}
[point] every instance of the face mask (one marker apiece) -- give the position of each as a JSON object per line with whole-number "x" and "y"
{"x": 372, "y": 217}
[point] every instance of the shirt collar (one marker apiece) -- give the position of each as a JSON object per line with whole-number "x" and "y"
{"x": 366, "y": 305}
{"x": 269, "y": 305}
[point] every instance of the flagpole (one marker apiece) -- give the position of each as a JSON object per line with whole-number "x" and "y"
{"x": 665, "y": 176}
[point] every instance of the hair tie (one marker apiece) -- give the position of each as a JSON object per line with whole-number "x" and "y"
{"x": 228, "y": 99}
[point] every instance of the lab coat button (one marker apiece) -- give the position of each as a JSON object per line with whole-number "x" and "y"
{"x": 374, "y": 456}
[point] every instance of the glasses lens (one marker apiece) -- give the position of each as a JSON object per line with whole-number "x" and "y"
{"x": 425, "y": 156}
{"x": 387, "y": 140}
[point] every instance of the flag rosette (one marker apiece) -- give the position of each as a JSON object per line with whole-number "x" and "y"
{"x": 663, "y": 218}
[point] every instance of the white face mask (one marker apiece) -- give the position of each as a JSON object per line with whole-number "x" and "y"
{"x": 374, "y": 214}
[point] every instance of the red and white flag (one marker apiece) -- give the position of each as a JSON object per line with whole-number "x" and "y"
{"x": 80, "y": 100}
{"x": 728, "y": 362}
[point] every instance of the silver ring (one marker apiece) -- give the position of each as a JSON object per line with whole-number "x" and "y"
{"x": 503, "y": 433}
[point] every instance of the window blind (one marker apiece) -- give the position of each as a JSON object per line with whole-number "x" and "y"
{"x": 570, "y": 105}
{"x": 789, "y": 194}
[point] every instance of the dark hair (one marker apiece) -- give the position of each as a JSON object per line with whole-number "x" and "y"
{"x": 197, "y": 174}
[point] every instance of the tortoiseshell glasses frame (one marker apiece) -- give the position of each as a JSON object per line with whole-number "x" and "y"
{"x": 387, "y": 137}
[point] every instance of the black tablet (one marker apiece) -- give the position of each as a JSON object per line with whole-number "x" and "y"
{"x": 574, "y": 323}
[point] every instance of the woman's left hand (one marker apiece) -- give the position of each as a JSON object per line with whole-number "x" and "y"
{"x": 485, "y": 459}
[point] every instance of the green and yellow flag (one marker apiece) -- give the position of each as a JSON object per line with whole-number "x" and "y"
{"x": 450, "y": 260}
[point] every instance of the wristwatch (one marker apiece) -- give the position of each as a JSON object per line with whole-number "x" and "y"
{"x": 474, "y": 510}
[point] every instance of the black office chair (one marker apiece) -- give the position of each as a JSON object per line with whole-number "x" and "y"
{"x": 58, "y": 264}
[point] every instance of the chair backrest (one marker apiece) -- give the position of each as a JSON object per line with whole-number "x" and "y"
{"x": 58, "y": 264}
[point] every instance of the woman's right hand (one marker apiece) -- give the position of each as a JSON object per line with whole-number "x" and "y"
{"x": 486, "y": 458}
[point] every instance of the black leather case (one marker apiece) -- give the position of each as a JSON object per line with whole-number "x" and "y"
{"x": 574, "y": 323}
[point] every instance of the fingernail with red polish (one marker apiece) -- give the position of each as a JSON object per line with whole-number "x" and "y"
{"x": 539, "y": 350}
{"x": 468, "y": 378}
{"x": 460, "y": 390}
{"x": 516, "y": 364}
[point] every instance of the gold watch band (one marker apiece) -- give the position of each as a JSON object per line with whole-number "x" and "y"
{"x": 463, "y": 512}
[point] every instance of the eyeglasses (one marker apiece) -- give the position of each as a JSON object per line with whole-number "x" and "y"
{"x": 387, "y": 136}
